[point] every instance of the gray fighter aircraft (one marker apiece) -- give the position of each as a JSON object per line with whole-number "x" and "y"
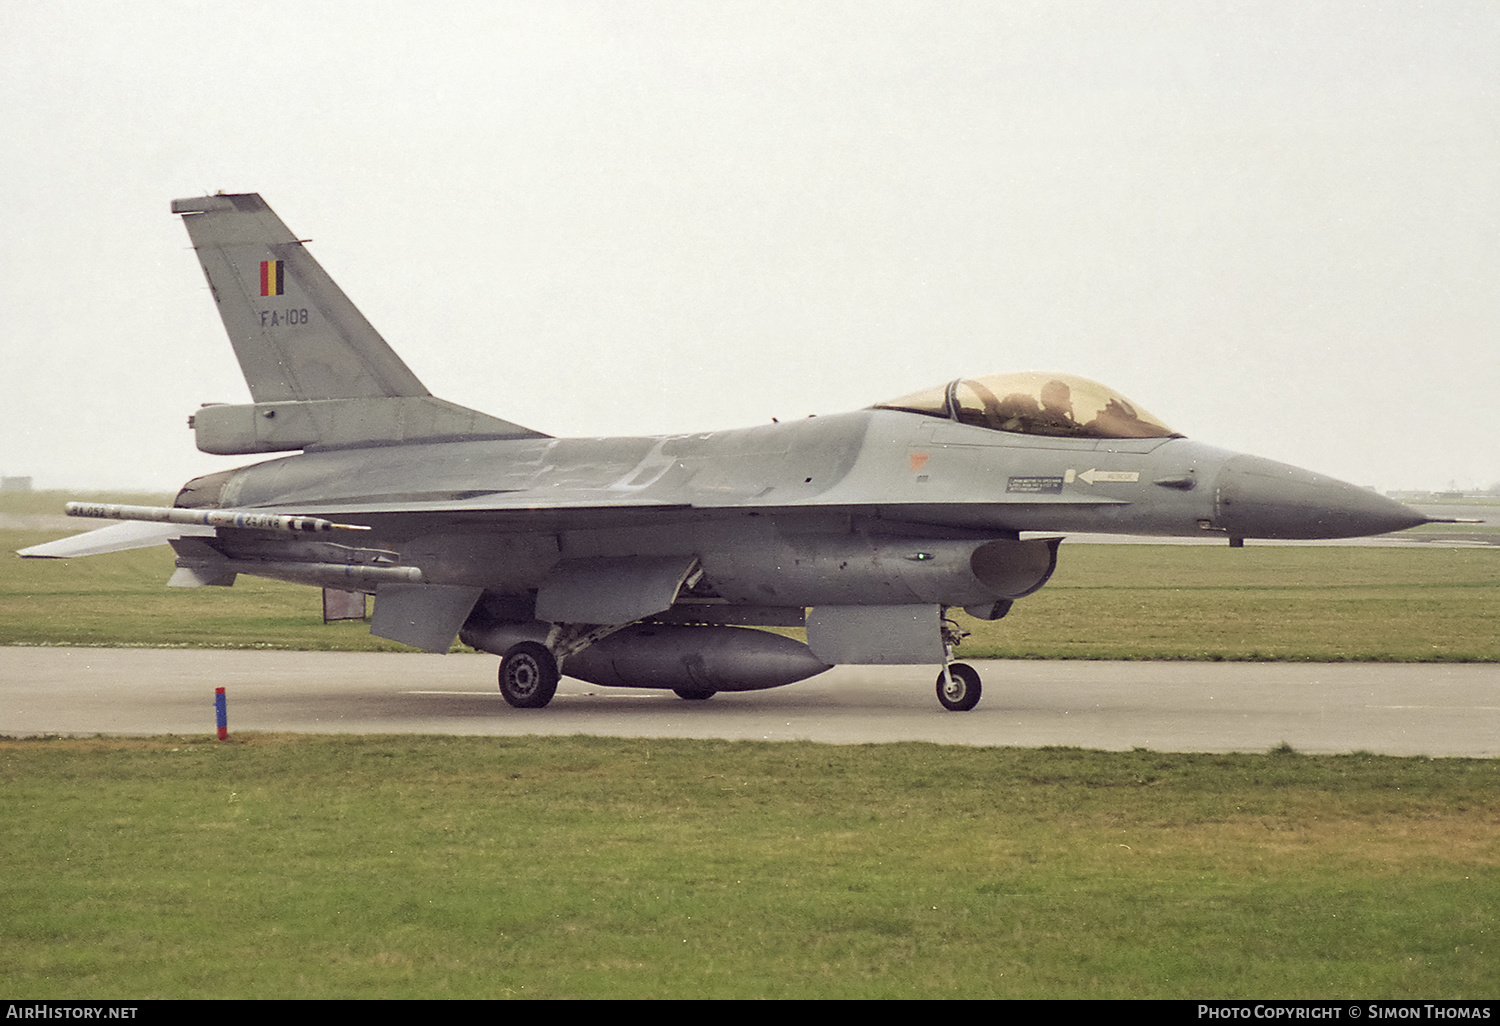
{"x": 644, "y": 562}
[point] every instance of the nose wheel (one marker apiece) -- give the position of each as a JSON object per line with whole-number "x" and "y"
{"x": 958, "y": 687}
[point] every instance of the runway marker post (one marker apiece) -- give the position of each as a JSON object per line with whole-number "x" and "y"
{"x": 221, "y": 709}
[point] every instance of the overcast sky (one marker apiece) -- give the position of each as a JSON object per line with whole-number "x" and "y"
{"x": 1275, "y": 225}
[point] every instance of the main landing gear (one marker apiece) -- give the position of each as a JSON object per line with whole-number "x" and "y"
{"x": 528, "y": 675}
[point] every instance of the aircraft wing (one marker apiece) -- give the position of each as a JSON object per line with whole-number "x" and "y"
{"x": 530, "y": 512}
{"x": 525, "y": 510}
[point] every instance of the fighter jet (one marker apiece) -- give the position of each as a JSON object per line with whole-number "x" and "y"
{"x": 649, "y": 562}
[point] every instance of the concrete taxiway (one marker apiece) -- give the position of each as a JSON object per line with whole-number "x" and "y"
{"x": 1393, "y": 709}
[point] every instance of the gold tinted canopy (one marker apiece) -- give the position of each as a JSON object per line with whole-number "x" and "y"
{"x": 1035, "y": 403}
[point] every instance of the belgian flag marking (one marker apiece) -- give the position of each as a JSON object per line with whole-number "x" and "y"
{"x": 271, "y": 278}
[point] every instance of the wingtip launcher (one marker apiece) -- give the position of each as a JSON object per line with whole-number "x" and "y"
{"x": 207, "y": 517}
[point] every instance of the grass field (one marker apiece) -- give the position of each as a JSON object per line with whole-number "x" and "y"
{"x": 582, "y": 867}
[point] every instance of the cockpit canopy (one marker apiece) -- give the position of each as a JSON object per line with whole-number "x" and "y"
{"x": 1035, "y": 403}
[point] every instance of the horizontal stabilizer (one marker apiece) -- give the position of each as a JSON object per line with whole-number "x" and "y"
{"x": 114, "y": 538}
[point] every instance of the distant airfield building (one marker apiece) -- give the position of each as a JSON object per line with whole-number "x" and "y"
{"x": 15, "y": 484}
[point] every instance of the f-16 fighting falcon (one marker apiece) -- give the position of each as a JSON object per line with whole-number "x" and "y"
{"x": 649, "y": 562}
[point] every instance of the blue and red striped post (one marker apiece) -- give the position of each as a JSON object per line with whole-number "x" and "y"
{"x": 221, "y": 709}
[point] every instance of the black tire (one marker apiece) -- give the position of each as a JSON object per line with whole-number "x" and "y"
{"x": 964, "y": 692}
{"x": 694, "y": 694}
{"x": 528, "y": 675}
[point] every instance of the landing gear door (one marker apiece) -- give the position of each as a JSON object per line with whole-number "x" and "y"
{"x": 884, "y": 635}
{"x": 612, "y": 589}
{"x": 422, "y": 615}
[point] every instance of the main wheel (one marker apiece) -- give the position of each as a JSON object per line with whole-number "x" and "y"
{"x": 694, "y": 694}
{"x": 528, "y": 675}
{"x": 959, "y": 690}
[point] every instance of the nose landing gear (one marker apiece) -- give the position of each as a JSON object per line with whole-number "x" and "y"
{"x": 958, "y": 687}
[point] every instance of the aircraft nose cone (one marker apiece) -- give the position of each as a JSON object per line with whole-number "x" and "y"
{"x": 1259, "y": 498}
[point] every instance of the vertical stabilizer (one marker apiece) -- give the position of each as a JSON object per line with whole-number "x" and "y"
{"x": 320, "y": 375}
{"x": 296, "y": 334}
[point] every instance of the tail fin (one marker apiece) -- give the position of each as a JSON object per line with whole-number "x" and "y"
{"x": 295, "y": 333}
{"x": 308, "y": 354}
